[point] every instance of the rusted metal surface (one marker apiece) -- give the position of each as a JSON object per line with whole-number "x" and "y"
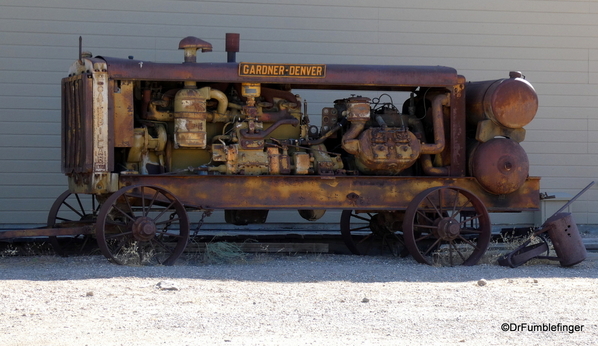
{"x": 145, "y": 222}
{"x": 500, "y": 165}
{"x": 232, "y": 46}
{"x": 122, "y": 113}
{"x": 511, "y": 102}
{"x": 566, "y": 239}
{"x": 191, "y": 45}
{"x": 449, "y": 219}
{"x": 190, "y": 117}
{"x": 456, "y": 136}
{"x": 562, "y": 231}
{"x": 77, "y": 127}
{"x": 501, "y": 107}
{"x": 525, "y": 253}
{"x": 233, "y": 136}
{"x": 317, "y": 192}
{"x": 377, "y": 77}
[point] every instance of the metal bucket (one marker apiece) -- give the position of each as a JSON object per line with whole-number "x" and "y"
{"x": 566, "y": 239}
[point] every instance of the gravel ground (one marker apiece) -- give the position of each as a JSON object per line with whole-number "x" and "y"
{"x": 294, "y": 300}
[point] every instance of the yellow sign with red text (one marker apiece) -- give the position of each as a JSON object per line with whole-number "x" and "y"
{"x": 247, "y": 69}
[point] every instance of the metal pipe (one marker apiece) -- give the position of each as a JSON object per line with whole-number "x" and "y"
{"x": 321, "y": 140}
{"x": 264, "y": 134}
{"x": 232, "y": 46}
{"x": 428, "y": 167}
{"x": 574, "y": 198}
{"x": 438, "y": 123}
{"x": 354, "y": 131}
{"x": 222, "y": 100}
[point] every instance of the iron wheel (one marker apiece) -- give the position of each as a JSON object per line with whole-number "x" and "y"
{"x": 141, "y": 225}
{"x": 447, "y": 225}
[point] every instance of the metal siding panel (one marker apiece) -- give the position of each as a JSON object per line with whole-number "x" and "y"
{"x": 553, "y": 42}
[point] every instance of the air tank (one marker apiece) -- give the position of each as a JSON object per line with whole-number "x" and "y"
{"x": 500, "y": 165}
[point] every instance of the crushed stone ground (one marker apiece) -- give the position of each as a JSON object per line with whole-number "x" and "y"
{"x": 295, "y": 300}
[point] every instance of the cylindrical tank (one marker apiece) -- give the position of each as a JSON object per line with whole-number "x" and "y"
{"x": 511, "y": 102}
{"x": 500, "y": 165}
{"x": 566, "y": 239}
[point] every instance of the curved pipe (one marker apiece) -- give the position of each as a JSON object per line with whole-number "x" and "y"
{"x": 438, "y": 123}
{"x": 429, "y": 169}
{"x": 264, "y": 134}
{"x": 221, "y": 98}
{"x": 321, "y": 140}
{"x": 354, "y": 131}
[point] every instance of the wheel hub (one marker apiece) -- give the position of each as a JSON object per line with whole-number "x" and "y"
{"x": 144, "y": 228}
{"x": 448, "y": 229}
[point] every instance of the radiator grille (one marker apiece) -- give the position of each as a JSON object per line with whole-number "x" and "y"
{"x": 77, "y": 124}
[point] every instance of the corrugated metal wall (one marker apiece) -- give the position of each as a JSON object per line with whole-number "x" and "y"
{"x": 554, "y": 43}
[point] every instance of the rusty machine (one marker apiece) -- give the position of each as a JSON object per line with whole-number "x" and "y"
{"x": 148, "y": 142}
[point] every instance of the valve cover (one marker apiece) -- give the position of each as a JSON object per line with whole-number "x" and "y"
{"x": 386, "y": 151}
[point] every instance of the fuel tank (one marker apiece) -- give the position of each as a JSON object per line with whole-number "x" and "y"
{"x": 510, "y": 102}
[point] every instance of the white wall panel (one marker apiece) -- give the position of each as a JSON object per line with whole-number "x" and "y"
{"x": 553, "y": 42}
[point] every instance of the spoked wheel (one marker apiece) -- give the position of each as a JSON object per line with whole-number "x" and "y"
{"x": 142, "y": 225}
{"x": 447, "y": 225}
{"x": 366, "y": 233}
{"x": 72, "y": 210}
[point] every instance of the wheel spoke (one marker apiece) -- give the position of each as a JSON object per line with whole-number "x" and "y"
{"x": 365, "y": 238}
{"x": 422, "y": 214}
{"x": 141, "y": 239}
{"x": 461, "y": 209}
{"x": 432, "y": 218}
{"x": 371, "y": 232}
{"x": 127, "y": 198}
{"x": 81, "y": 208}
{"x": 454, "y": 208}
{"x": 427, "y": 236}
{"x": 118, "y": 235}
{"x": 63, "y": 219}
{"x": 360, "y": 228}
{"x": 438, "y": 212}
{"x": 468, "y": 242}
{"x": 68, "y": 205}
{"x": 152, "y": 200}
{"x": 431, "y": 247}
{"x": 425, "y": 226}
{"x": 357, "y": 216}
{"x": 124, "y": 213}
{"x": 454, "y": 247}
{"x": 473, "y": 218}
{"x": 71, "y": 210}
{"x": 167, "y": 209}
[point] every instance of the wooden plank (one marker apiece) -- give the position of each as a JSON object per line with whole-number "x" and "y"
{"x": 43, "y": 232}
